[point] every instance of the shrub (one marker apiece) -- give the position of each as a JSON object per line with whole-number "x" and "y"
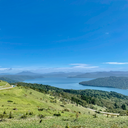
{"x": 9, "y": 101}
{"x": 67, "y": 126}
{"x": 57, "y": 114}
{"x": 30, "y": 113}
{"x": 10, "y": 115}
{"x": 67, "y": 110}
{"x": 40, "y": 109}
{"x": 62, "y": 105}
{"x": 41, "y": 116}
{"x": 23, "y": 116}
{"x": 14, "y": 108}
{"x": 97, "y": 112}
{"x": 114, "y": 126}
{"x": 1, "y": 116}
{"x": 4, "y": 112}
{"x": 65, "y": 119}
{"x": 95, "y": 116}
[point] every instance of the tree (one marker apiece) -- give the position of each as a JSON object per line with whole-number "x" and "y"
{"x": 123, "y": 106}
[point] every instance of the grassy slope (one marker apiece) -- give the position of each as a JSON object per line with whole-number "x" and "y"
{"x": 25, "y": 101}
{"x": 4, "y": 84}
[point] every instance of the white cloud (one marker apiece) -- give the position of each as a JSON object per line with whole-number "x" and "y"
{"x": 117, "y": 63}
{"x": 84, "y": 66}
{"x": 5, "y": 69}
{"x": 76, "y": 67}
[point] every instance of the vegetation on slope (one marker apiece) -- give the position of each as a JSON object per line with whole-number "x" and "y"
{"x": 18, "y": 78}
{"x": 114, "y": 102}
{"x": 8, "y": 80}
{"x": 115, "y": 82}
{"x": 4, "y": 84}
{"x": 37, "y": 106}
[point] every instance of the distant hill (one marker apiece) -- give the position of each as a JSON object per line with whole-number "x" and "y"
{"x": 7, "y": 79}
{"x": 22, "y": 76}
{"x": 115, "y": 82}
{"x": 27, "y": 73}
{"x": 61, "y": 74}
{"x": 102, "y": 74}
{"x": 18, "y": 78}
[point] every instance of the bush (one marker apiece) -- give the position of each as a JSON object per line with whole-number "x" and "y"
{"x": 9, "y": 101}
{"x": 40, "y": 109}
{"x": 30, "y": 113}
{"x": 4, "y": 112}
{"x": 114, "y": 126}
{"x": 14, "y": 108}
{"x": 1, "y": 116}
{"x": 95, "y": 116}
{"x": 65, "y": 119}
{"x": 41, "y": 116}
{"x": 62, "y": 105}
{"x": 66, "y": 110}
{"x": 23, "y": 116}
{"x": 10, "y": 115}
{"x": 57, "y": 114}
{"x": 67, "y": 126}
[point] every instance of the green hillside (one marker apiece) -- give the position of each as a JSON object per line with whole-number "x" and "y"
{"x": 23, "y": 107}
{"x": 115, "y": 82}
{"x": 7, "y": 79}
{"x": 4, "y": 84}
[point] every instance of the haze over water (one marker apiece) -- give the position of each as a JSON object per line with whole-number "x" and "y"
{"x": 72, "y": 83}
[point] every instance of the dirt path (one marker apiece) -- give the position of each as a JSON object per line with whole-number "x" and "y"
{"x": 6, "y": 88}
{"x": 107, "y": 113}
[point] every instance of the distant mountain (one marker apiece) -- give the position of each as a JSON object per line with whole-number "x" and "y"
{"x": 27, "y": 73}
{"x": 61, "y": 74}
{"x": 22, "y": 76}
{"x": 112, "y": 81}
{"x": 102, "y": 74}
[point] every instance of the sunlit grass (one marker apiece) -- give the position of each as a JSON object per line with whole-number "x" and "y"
{"x": 28, "y": 100}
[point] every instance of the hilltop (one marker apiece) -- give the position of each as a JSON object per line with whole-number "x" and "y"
{"x": 115, "y": 82}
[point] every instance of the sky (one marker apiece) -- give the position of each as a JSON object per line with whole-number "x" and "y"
{"x": 63, "y": 35}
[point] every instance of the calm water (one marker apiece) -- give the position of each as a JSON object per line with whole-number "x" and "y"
{"x": 72, "y": 83}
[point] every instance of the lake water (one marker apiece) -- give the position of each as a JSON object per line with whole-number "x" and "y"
{"x": 72, "y": 83}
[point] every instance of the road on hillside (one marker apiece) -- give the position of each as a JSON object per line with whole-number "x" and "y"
{"x": 7, "y": 87}
{"x": 105, "y": 112}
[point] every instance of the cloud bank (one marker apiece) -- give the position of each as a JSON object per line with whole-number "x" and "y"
{"x": 117, "y": 63}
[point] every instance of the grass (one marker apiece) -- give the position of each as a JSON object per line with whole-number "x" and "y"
{"x": 28, "y": 100}
{"x": 4, "y": 84}
{"x": 86, "y": 121}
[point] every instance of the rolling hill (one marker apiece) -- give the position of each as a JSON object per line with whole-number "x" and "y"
{"x": 36, "y": 106}
{"x": 115, "y": 82}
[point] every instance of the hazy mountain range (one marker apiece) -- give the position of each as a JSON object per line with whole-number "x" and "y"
{"x": 25, "y": 75}
{"x": 102, "y": 74}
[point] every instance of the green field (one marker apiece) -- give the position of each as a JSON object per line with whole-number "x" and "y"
{"x": 25, "y": 101}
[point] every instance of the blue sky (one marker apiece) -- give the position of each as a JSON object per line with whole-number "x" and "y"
{"x": 63, "y": 35}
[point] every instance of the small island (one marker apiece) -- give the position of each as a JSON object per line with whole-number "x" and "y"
{"x": 112, "y": 81}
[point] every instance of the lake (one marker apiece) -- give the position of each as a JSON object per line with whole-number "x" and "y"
{"x": 72, "y": 83}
